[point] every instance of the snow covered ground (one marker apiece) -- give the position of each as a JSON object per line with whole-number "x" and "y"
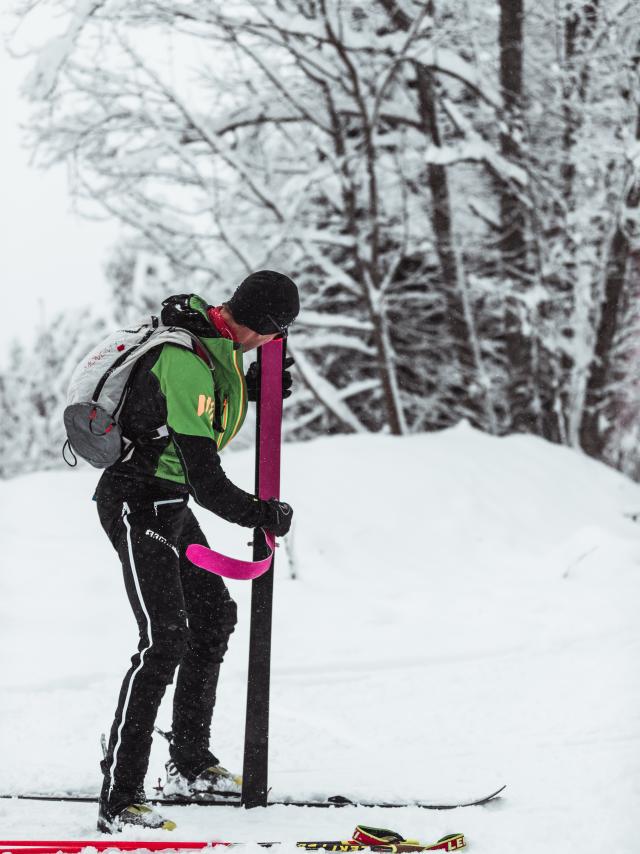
{"x": 465, "y": 615}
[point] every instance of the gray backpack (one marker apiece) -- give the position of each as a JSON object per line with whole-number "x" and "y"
{"x": 98, "y": 390}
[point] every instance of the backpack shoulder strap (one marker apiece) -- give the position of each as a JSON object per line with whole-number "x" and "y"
{"x": 120, "y": 361}
{"x": 154, "y": 336}
{"x": 188, "y": 341}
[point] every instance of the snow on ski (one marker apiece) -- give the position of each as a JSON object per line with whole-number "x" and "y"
{"x": 340, "y": 800}
{"x": 231, "y": 799}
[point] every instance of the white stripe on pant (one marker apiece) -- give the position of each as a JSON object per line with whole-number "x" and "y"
{"x": 125, "y": 510}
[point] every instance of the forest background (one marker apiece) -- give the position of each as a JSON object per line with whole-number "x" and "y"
{"x": 454, "y": 186}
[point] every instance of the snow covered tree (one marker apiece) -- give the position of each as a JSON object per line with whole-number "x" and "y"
{"x": 323, "y": 171}
{"x": 582, "y": 128}
{"x": 452, "y": 185}
{"x": 619, "y": 294}
{"x": 33, "y": 390}
{"x": 16, "y": 415}
{"x": 139, "y": 280}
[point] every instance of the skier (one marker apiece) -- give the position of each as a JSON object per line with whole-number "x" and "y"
{"x": 184, "y": 614}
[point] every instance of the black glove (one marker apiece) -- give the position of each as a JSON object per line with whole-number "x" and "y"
{"x": 252, "y": 379}
{"x": 277, "y": 517}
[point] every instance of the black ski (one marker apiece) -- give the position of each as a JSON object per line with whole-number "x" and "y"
{"x": 231, "y": 799}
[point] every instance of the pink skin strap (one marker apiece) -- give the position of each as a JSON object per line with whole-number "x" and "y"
{"x": 268, "y": 470}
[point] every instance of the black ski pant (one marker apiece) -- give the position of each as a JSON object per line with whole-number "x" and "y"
{"x": 184, "y": 615}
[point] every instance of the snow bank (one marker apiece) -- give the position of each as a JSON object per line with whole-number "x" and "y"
{"x": 464, "y": 614}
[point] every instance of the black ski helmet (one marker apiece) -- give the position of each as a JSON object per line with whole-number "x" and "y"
{"x": 266, "y": 302}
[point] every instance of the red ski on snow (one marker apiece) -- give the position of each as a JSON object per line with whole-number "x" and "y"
{"x": 453, "y": 842}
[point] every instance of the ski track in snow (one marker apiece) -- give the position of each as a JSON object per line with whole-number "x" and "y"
{"x": 464, "y": 616}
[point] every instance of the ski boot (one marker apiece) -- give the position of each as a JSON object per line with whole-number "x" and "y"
{"x": 114, "y": 817}
{"x": 214, "y": 780}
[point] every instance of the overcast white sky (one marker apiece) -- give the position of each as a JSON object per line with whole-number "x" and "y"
{"x": 49, "y": 257}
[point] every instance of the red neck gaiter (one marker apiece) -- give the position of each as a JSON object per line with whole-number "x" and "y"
{"x": 215, "y": 316}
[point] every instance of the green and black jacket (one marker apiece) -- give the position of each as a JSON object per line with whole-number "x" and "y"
{"x": 203, "y": 408}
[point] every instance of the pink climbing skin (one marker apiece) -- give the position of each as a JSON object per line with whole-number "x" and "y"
{"x": 229, "y": 567}
{"x": 269, "y": 470}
